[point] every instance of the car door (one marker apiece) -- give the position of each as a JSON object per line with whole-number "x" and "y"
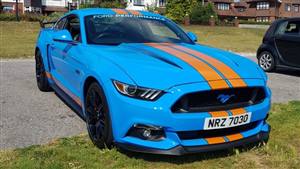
{"x": 55, "y": 55}
{"x": 67, "y": 59}
{"x": 287, "y": 41}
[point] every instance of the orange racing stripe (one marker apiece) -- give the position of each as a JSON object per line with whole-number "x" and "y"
{"x": 218, "y": 114}
{"x": 74, "y": 97}
{"x": 228, "y": 73}
{"x": 120, "y": 11}
{"x": 215, "y": 140}
{"x": 214, "y": 80}
{"x": 134, "y": 12}
{"x": 48, "y": 75}
{"x": 234, "y": 137}
{"x": 238, "y": 111}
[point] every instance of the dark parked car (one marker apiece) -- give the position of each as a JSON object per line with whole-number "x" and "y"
{"x": 281, "y": 46}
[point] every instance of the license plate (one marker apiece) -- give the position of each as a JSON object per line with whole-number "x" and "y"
{"x": 226, "y": 122}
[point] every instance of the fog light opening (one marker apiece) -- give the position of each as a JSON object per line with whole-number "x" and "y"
{"x": 147, "y": 132}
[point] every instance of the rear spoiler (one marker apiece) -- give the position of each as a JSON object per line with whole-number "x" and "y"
{"x": 44, "y": 23}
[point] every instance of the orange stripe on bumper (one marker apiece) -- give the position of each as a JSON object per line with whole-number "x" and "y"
{"x": 229, "y": 74}
{"x": 238, "y": 111}
{"x": 120, "y": 11}
{"x": 215, "y": 140}
{"x": 219, "y": 114}
{"x": 210, "y": 75}
{"x": 234, "y": 137}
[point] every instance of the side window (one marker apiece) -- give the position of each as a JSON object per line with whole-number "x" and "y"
{"x": 73, "y": 26}
{"x": 289, "y": 28}
{"x": 292, "y": 28}
{"x": 60, "y": 24}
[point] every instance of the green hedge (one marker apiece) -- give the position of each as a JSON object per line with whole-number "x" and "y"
{"x": 254, "y": 22}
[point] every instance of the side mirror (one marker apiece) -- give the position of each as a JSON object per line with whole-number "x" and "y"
{"x": 63, "y": 36}
{"x": 192, "y": 36}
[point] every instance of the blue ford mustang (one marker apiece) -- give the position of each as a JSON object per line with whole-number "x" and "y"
{"x": 142, "y": 84}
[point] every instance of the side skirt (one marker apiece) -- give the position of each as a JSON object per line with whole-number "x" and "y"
{"x": 68, "y": 100}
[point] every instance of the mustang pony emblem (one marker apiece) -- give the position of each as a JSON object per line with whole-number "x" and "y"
{"x": 223, "y": 98}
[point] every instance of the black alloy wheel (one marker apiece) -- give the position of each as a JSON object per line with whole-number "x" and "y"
{"x": 97, "y": 117}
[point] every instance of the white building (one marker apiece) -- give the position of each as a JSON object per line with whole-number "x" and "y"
{"x": 49, "y": 6}
{"x": 145, "y": 4}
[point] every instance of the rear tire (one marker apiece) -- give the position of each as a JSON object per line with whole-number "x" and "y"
{"x": 40, "y": 73}
{"x": 98, "y": 119}
{"x": 266, "y": 61}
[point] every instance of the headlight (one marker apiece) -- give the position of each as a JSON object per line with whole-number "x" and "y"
{"x": 137, "y": 92}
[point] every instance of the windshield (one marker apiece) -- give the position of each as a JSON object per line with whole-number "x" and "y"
{"x": 111, "y": 29}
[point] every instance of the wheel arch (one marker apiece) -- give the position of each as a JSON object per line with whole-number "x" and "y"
{"x": 44, "y": 54}
{"x": 270, "y": 49}
{"x": 88, "y": 81}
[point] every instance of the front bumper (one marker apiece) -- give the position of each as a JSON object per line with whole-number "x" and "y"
{"x": 181, "y": 150}
{"x": 126, "y": 112}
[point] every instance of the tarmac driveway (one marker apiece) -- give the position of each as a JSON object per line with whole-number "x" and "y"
{"x": 30, "y": 117}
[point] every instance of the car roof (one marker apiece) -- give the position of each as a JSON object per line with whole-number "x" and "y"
{"x": 108, "y": 11}
{"x": 289, "y": 19}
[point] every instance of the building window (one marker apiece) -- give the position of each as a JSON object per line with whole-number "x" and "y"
{"x": 139, "y": 2}
{"x": 288, "y": 7}
{"x": 296, "y": 8}
{"x": 223, "y": 6}
{"x": 241, "y": 9}
{"x": 262, "y": 19}
{"x": 262, "y": 5}
{"x": 162, "y": 3}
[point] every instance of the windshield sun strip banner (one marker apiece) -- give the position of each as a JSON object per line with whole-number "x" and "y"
{"x": 234, "y": 79}
{"x": 214, "y": 80}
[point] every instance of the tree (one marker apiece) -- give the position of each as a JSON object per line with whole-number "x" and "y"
{"x": 201, "y": 14}
{"x": 177, "y": 9}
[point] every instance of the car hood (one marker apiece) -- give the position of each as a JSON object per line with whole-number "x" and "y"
{"x": 149, "y": 66}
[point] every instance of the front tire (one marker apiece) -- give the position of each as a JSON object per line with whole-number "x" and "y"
{"x": 40, "y": 73}
{"x": 266, "y": 61}
{"x": 97, "y": 117}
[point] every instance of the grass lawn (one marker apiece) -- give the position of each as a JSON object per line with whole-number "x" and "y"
{"x": 229, "y": 38}
{"x": 18, "y": 39}
{"x": 282, "y": 151}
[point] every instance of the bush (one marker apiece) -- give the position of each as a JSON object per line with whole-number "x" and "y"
{"x": 7, "y": 17}
{"x": 177, "y": 9}
{"x": 201, "y": 14}
{"x": 254, "y": 22}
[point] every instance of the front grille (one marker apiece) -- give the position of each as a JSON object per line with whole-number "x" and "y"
{"x": 216, "y": 100}
{"x": 190, "y": 135}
